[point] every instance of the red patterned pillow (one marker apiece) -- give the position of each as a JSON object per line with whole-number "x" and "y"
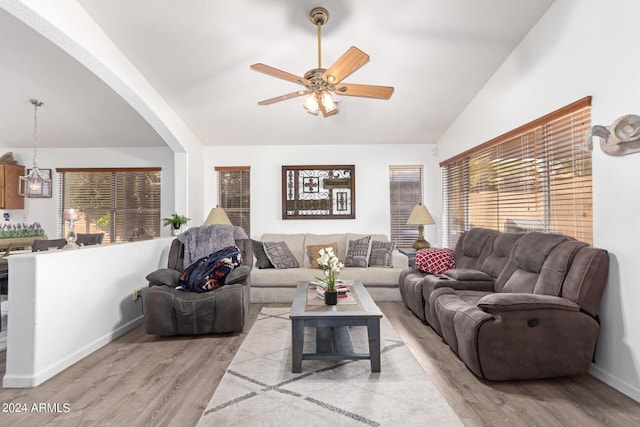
{"x": 435, "y": 261}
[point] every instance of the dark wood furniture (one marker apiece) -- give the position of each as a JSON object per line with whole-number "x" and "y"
{"x": 9, "y": 175}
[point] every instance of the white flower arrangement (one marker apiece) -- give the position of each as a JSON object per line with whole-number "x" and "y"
{"x": 331, "y": 266}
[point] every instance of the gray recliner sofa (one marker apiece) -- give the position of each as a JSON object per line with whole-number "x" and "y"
{"x": 517, "y": 306}
{"x": 170, "y": 311}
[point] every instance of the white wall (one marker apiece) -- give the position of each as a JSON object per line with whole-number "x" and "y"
{"x": 371, "y": 178}
{"x": 45, "y": 211}
{"x": 67, "y": 304}
{"x": 581, "y": 48}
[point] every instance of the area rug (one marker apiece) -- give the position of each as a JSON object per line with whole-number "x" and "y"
{"x": 259, "y": 388}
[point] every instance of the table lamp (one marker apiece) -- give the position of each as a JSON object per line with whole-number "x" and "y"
{"x": 420, "y": 215}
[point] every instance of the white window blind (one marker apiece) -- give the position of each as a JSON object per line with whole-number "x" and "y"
{"x": 406, "y": 190}
{"x": 116, "y": 201}
{"x": 234, "y": 194}
{"x": 534, "y": 178}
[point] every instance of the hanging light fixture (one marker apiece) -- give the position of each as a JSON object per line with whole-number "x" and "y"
{"x": 34, "y": 184}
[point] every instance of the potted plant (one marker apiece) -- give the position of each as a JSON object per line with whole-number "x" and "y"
{"x": 176, "y": 222}
{"x": 331, "y": 266}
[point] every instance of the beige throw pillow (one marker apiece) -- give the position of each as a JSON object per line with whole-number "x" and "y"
{"x": 314, "y": 252}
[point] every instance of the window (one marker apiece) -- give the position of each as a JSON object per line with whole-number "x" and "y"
{"x": 116, "y": 202}
{"x": 534, "y": 178}
{"x": 234, "y": 195}
{"x": 406, "y": 190}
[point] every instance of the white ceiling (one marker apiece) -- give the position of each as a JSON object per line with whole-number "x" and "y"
{"x": 196, "y": 54}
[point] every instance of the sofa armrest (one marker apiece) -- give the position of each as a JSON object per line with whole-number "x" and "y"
{"x": 504, "y": 302}
{"x": 399, "y": 260}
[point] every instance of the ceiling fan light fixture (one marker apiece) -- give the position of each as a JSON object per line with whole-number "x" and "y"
{"x": 320, "y": 82}
{"x": 311, "y": 104}
{"x": 34, "y": 184}
{"x": 327, "y": 102}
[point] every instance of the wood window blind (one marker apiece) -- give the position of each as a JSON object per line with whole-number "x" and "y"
{"x": 534, "y": 178}
{"x": 234, "y": 194}
{"x": 406, "y": 190}
{"x": 116, "y": 201}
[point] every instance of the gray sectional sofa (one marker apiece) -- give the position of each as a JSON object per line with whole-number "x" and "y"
{"x": 278, "y": 284}
{"x": 517, "y": 306}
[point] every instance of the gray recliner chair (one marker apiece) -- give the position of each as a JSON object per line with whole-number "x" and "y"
{"x": 170, "y": 311}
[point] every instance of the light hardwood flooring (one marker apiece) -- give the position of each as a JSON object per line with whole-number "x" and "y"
{"x": 140, "y": 380}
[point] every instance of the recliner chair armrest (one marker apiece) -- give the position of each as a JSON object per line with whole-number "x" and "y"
{"x": 523, "y": 301}
{"x": 164, "y": 276}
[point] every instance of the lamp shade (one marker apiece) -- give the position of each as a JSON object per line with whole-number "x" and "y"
{"x": 420, "y": 215}
{"x": 217, "y": 216}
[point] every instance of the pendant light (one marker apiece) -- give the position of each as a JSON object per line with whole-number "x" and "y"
{"x": 35, "y": 184}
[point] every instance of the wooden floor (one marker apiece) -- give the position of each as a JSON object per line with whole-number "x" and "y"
{"x": 140, "y": 380}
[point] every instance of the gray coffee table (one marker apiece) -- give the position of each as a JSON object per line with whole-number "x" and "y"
{"x": 333, "y": 341}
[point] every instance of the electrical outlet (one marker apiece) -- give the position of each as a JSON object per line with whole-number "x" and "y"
{"x": 137, "y": 293}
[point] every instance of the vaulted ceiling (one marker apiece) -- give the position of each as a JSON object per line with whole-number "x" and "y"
{"x": 196, "y": 54}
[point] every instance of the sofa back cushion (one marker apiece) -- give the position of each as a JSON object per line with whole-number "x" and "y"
{"x": 473, "y": 247}
{"x": 525, "y": 263}
{"x": 496, "y": 260}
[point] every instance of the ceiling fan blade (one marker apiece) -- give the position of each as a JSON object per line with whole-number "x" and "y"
{"x": 274, "y": 72}
{"x": 284, "y": 97}
{"x": 368, "y": 91}
{"x": 349, "y": 62}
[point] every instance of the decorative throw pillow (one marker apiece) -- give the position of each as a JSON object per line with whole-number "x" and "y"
{"x": 357, "y": 252}
{"x": 435, "y": 260}
{"x": 381, "y": 254}
{"x": 280, "y": 255}
{"x": 262, "y": 260}
{"x": 314, "y": 252}
{"x": 164, "y": 276}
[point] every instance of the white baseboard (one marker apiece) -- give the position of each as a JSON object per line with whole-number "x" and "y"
{"x": 615, "y": 382}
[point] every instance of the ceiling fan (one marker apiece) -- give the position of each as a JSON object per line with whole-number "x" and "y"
{"x": 320, "y": 82}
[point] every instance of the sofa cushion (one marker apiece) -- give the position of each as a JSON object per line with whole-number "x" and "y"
{"x": 529, "y": 253}
{"x": 435, "y": 260}
{"x": 502, "y": 246}
{"x": 262, "y": 260}
{"x": 313, "y": 251}
{"x": 473, "y": 247}
{"x": 357, "y": 252}
{"x": 280, "y": 255}
{"x": 381, "y": 254}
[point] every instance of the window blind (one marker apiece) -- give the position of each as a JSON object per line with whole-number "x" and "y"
{"x": 534, "y": 178}
{"x": 234, "y": 194}
{"x": 406, "y": 190}
{"x": 116, "y": 201}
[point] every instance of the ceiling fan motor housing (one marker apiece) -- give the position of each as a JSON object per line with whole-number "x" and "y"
{"x": 319, "y": 15}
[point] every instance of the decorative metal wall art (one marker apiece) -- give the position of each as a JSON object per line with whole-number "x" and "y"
{"x": 318, "y": 192}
